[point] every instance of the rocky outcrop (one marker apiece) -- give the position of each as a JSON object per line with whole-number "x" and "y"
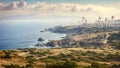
{"x": 83, "y": 40}
{"x": 75, "y": 30}
{"x": 53, "y": 43}
{"x": 41, "y": 39}
{"x": 40, "y": 44}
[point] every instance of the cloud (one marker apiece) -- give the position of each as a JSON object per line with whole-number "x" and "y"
{"x": 10, "y": 6}
{"x": 22, "y": 4}
{"x": 61, "y": 7}
{"x": 42, "y": 6}
{"x": 13, "y": 5}
{"x": 69, "y": 9}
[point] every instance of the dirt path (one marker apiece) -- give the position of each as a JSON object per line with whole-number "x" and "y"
{"x": 106, "y": 39}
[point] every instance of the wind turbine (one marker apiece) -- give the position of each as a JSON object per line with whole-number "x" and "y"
{"x": 106, "y": 23}
{"x": 98, "y": 23}
{"x": 84, "y": 21}
{"x": 112, "y": 21}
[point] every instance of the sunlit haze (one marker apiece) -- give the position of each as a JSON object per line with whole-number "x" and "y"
{"x": 60, "y": 10}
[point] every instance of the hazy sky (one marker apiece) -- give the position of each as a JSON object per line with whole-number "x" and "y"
{"x": 50, "y": 9}
{"x": 66, "y": 1}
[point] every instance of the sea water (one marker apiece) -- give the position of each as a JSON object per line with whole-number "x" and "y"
{"x": 25, "y": 35}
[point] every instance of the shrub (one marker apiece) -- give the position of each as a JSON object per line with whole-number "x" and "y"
{"x": 29, "y": 66}
{"x": 67, "y": 64}
{"x": 96, "y": 65}
{"x": 13, "y": 66}
{"x": 56, "y": 65}
{"x": 115, "y": 57}
{"x": 7, "y": 56}
{"x": 115, "y": 66}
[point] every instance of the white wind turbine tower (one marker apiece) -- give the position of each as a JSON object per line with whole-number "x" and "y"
{"x": 99, "y": 23}
{"x": 112, "y": 21}
{"x": 84, "y": 21}
{"x": 106, "y": 22}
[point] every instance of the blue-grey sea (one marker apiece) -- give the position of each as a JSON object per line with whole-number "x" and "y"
{"x": 25, "y": 35}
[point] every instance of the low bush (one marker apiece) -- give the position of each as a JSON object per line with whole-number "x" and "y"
{"x": 13, "y": 66}
{"x": 67, "y": 64}
{"x": 7, "y": 56}
{"x": 96, "y": 65}
{"x": 29, "y": 66}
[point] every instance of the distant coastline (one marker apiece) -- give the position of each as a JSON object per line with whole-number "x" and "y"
{"x": 86, "y": 35}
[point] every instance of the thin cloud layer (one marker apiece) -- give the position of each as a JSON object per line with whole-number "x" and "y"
{"x": 41, "y": 8}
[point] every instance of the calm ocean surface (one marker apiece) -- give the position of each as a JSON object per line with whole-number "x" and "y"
{"x": 25, "y": 35}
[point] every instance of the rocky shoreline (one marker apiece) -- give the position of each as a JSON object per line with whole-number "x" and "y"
{"x": 77, "y": 36}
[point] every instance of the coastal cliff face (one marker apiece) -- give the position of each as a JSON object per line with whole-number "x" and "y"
{"x": 84, "y": 36}
{"x": 88, "y": 29}
{"x": 84, "y": 40}
{"x": 53, "y": 43}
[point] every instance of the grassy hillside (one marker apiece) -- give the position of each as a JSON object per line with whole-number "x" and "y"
{"x": 50, "y": 58}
